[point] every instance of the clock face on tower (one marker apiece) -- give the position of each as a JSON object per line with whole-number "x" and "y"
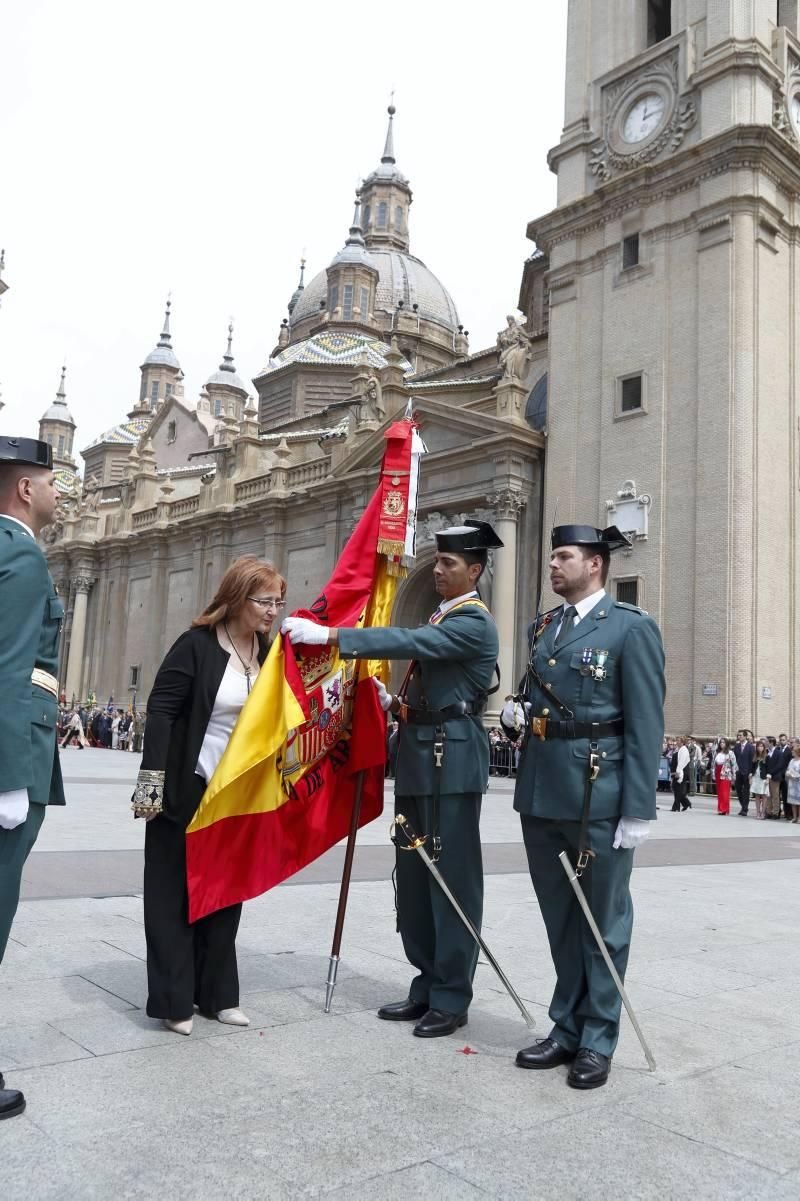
{"x": 643, "y": 117}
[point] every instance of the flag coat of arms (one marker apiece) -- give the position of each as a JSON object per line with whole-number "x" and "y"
{"x": 283, "y": 791}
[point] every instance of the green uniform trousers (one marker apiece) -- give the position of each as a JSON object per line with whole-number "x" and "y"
{"x": 15, "y": 846}
{"x": 586, "y": 1006}
{"x": 435, "y": 939}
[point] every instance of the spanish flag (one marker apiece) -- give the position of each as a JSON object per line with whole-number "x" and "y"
{"x": 283, "y": 791}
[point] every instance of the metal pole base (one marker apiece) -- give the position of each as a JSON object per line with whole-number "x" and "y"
{"x": 330, "y": 985}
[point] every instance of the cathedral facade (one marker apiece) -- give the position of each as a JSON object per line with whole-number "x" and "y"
{"x": 175, "y": 491}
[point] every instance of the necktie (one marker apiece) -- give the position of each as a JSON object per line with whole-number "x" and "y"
{"x": 567, "y": 622}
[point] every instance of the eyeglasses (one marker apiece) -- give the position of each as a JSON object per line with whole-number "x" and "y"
{"x": 268, "y": 602}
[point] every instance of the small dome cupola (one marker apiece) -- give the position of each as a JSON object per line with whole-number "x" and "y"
{"x": 386, "y": 198}
{"x": 226, "y": 391}
{"x": 57, "y": 427}
{"x": 352, "y": 277}
{"x": 161, "y": 371}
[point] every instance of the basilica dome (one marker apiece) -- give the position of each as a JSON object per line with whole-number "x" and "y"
{"x": 401, "y": 277}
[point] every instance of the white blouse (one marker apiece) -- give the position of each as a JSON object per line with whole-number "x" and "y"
{"x": 231, "y": 695}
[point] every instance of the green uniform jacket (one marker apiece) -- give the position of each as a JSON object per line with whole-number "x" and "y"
{"x": 552, "y": 773}
{"x": 30, "y": 628}
{"x": 455, "y": 662}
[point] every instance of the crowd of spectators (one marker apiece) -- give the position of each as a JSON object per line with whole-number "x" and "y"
{"x": 114, "y": 729}
{"x": 764, "y": 771}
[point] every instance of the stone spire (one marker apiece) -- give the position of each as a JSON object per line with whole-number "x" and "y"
{"x": 385, "y": 198}
{"x": 298, "y": 292}
{"x": 57, "y": 426}
{"x": 3, "y": 286}
{"x": 388, "y": 149}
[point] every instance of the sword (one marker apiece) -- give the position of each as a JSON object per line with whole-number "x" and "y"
{"x": 584, "y": 904}
{"x": 415, "y": 843}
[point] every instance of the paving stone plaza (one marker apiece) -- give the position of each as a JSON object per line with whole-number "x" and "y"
{"x": 344, "y": 1106}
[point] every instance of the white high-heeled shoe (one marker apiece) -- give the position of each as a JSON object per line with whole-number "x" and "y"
{"x": 233, "y": 1017}
{"x": 184, "y": 1027}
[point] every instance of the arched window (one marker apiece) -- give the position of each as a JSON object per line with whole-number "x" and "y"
{"x": 367, "y": 212}
{"x": 61, "y": 444}
{"x": 168, "y": 390}
{"x": 398, "y": 219}
{"x": 172, "y": 431}
{"x": 333, "y": 297}
{"x": 154, "y": 394}
{"x": 217, "y": 407}
{"x": 382, "y": 213}
{"x": 364, "y": 304}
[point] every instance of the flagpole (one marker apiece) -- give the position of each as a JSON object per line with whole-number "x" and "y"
{"x": 344, "y": 890}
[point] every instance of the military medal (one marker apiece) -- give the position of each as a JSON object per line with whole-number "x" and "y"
{"x": 598, "y": 670}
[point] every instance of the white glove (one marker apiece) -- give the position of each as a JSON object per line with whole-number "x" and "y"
{"x": 13, "y": 808}
{"x": 303, "y": 632}
{"x": 385, "y": 697}
{"x": 513, "y": 714}
{"x": 631, "y": 833}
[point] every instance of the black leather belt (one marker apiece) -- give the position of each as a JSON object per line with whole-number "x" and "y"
{"x": 435, "y": 717}
{"x": 547, "y": 728}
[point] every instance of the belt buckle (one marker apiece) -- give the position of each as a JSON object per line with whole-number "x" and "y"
{"x": 539, "y": 727}
{"x": 438, "y": 752}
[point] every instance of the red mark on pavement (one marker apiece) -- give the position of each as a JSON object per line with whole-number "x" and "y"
{"x": 467, "y": 1051}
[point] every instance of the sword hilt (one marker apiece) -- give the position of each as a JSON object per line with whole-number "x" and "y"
{"x": 413, "y": 839}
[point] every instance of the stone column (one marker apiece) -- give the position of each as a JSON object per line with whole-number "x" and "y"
{"x": 507, "y": 505}
{"x": 72, "y": 687}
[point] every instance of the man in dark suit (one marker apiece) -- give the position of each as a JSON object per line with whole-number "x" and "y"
{"x": 442, "y": 771}
{"x": 30, "y": 630}
{"x": 776, "y": 771}
{"x": 785, "y": 747}
{"x": 592, "y": 705}
{"x": 745, "y": 754}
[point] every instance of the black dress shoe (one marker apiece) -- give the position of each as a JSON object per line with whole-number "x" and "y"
{"x": 403, "y": 1011}
{"x": 436, "y": 1022}
{"x": 546, "y": 1053}
{"x": 590, "y": 1069}
{"x": 12, "y": 1102}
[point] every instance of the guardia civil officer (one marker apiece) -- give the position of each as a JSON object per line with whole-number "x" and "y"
{"x": 592, "y": 706}
{"x": 442, "y": 771}
{"x": 30, "y": 628}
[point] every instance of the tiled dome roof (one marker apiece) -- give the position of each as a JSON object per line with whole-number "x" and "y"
{"x": 335, "y": 347}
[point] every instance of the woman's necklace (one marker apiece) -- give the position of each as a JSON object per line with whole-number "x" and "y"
{"x": 248, "y": 666}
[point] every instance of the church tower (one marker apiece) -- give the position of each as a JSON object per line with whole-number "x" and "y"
{"x": 161, "y": 373}
{"x": 673, "y": 352}
{"x": 57, "y": 427}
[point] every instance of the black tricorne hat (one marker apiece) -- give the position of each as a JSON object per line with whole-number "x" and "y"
{"x": 474, "y": 536}
{"x": 588, "y": 535}
{"x": 27, "y": 452}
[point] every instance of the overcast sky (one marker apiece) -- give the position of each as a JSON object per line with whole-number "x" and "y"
{"x": 199, "y": 148}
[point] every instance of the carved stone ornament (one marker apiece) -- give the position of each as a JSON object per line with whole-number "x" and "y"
{"x": 786, "y": 104}
{"x": 632, "y": 135}
{"x": 82, "y": 583}
{"x": 507, "y": 503}
{"x": 630, "y": 512}
{"x": 432, "y": 523}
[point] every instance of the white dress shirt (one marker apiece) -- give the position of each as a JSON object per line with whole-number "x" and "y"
{"x": 582, "y": 607}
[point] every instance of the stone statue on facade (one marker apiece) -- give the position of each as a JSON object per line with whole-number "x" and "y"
{"x": 514, "y": 345}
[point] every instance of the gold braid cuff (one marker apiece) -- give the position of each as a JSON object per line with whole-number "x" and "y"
{"x": 148, "y": 797}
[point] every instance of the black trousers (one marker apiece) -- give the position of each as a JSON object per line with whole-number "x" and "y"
{"x": 743, "y": 790}
{"x": 187, "y": 965}
{"x": 681, "y": 794}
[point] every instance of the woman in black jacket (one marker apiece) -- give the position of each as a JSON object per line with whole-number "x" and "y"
{"x": 198, "y": 693}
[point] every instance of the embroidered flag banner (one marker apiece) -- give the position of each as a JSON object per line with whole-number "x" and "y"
{"x": 282, "y": 793}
